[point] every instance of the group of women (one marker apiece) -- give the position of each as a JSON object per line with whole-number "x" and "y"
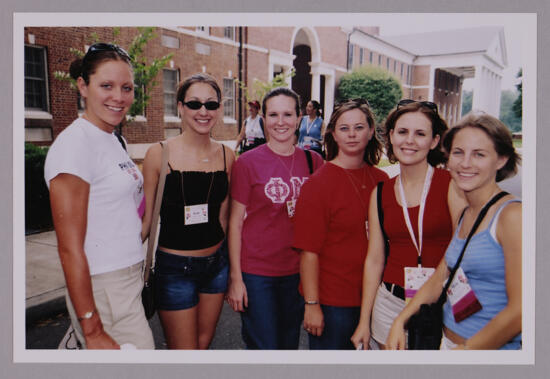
{"x": 288, "y": 240}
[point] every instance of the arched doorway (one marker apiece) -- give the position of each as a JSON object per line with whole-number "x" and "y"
{"x": 301, "y": 82}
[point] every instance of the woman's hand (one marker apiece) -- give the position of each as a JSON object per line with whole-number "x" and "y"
{"x": 361, "y": 337}
{"x": 396, "y": 338}
{"x": 99, "y": 339}
{"x": 236, "y": 296}
{"x": 314, "y": 322}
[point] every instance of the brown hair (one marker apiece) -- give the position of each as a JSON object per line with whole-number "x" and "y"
{"x": 95, "y": 56}
{"x": 198, "y": 78}
{"x": 439, "y": 126}
{"x": 285, "y": 92}
{"x": 373, "y": 150}
{"x": 497, "y": 132}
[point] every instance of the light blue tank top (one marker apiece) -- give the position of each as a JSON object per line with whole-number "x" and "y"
{"x": 312, "y": 138}
{"x": 483, "y": 264}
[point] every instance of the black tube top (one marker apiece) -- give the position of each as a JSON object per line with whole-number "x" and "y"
{"x": 191, "y": 188}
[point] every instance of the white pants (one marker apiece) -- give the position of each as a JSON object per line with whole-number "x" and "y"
{"x": 117, "y": 297}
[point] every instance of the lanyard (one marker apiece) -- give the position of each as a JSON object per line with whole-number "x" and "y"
{"x": 425, "y": 189}
{"x": 309, "y": 125}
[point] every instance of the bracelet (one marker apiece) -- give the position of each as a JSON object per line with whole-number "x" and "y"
{"x": 312, "y": 302}
{"x": 87, "y": 315}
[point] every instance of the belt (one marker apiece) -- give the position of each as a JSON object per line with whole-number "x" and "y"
{"x": 395, "y": 290}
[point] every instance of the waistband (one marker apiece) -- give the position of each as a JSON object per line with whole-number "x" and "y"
{"x": 395, "y": 290}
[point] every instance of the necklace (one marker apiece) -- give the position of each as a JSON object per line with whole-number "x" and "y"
{"x": 285, "y": 166}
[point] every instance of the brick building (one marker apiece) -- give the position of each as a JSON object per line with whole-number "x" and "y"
{"x": 431, "y": 66}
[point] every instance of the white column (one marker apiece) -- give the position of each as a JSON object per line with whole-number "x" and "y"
{"x": 431, "y": 84}
{"x": 315, "y": 86}
{"x": 477, "y": 100}
{"x": 329, "y": 97}
{"x": 498, "y": 81}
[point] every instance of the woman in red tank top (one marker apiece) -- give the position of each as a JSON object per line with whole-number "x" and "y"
{"x": 420, "y": 207}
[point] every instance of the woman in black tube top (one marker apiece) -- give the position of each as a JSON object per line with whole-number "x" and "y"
{"x": 191, "y": 259}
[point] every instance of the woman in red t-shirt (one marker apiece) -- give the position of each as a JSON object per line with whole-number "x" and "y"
{"x": 420, "y": 206}
{"x": 330, "y": 226}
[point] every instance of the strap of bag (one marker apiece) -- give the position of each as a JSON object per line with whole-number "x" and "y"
{"x": 309, "y": 161}
{"x": 156, "y": 212}
{"x": 480, "y": 217}
{"x": 120, "y": 139}
{"x": 379, "y": 187}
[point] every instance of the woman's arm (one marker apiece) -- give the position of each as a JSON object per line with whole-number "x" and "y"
{"x": 456, "y": 202}
{"x": 372, "y": 274}
{"x": 507, "y": 323}
{"x": 427, "y": 294}
{"x": 151, "y": 173}
{"x": 236, "y": 295}
{"x": 309, "y": 275}
{"x": 224, "y": 210}
{"x": 69, "y": 203}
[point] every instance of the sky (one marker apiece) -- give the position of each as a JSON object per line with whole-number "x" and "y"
{"x": 513, "y": 33}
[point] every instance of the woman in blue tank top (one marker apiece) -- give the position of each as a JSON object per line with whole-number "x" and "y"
{"x": 481, "y": 153}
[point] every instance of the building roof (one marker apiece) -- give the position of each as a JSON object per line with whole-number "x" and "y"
{"x": 446, "y": 41}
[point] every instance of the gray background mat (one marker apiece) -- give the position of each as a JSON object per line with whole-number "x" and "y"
{"x": 85, "y": 370}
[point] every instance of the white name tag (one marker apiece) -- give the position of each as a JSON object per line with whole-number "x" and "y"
{"x": 196, "y": 214}
{"x": 415, "y": 277}
{"x": 291, "y": 207}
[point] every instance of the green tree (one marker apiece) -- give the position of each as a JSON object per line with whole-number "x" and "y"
{"x": 145, "y": 71}
{"x": 517, "y": 107}
{"x": 507, "y": 114}
{"x": 381, "y": 88}
{"x": 259, "y": 88}
{"x": 467, "y": 97}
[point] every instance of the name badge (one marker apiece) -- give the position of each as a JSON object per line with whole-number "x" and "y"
{"x": 291, "y": 208}
{"x": 415, "y": 277}
{"x": 196, "y": 214}
{"x": 463, "y": 299}
{"x": 250, "y": 141}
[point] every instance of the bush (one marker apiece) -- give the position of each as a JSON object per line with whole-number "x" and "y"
{"x": 38, "y": 214}
{"x": 381, "y": 89}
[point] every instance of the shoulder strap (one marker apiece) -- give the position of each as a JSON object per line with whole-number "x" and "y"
{"x": 479, "y": 218}
{"x": 309, "y": 161}
{"x": 224, "y": 163}
{"x": 120, "y": 139}
{"x": 156, "y": 212}
{"x": 262, "y": 125}
{"x": 379, "y": 187}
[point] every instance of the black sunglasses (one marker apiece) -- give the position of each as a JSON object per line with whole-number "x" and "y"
{"x": 427, "y": 104}
{"x": 209, "y": 105}
{"x": 97, "y": 47}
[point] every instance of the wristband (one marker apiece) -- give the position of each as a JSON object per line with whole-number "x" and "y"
{"x": 312, "y": 302}
{"x": 87, "y": 315}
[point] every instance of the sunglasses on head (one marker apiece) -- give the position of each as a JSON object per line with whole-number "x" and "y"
{"x": 195, "y": 104}
{"x": 427, "y": 104}
{"x": 97, "y": 47}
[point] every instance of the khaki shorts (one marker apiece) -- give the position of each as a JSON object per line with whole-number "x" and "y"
{"x": 117, "y": 297}
{"x": 386, "y": 308}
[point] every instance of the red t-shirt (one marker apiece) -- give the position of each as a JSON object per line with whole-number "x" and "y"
{"x": 437, "y": 228}
{"x": 265, "y": 182}
{"x": 330, "y": 221}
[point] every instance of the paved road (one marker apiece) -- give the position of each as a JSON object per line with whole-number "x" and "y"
{"x": 48, "y": 332}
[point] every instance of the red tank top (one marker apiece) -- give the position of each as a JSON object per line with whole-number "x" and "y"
{"x": 437, "y": 227}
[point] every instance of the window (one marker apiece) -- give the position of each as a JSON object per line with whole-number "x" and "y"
{"x": 228, "y": 98}
{"x": 170, "y": 88}
{"x": 361, "y": 54}
{"x": 229, "y": 32}
{"x": 350, "y": 55}
{"x": 401, "y": 70}
{"x": 370, "y": 57}
{"x": 35, "y": 79}
{"x": 379, "y": 60}
{"x": 394, "y": 66}
{"x": 388, "y": 64}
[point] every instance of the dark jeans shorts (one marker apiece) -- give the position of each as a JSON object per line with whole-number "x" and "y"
{"x": 180, "y": 279}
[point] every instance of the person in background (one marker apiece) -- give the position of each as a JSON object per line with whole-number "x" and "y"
{"x": 264, "y": 269}
{"x": 420, "y": 206}
{"x": 312, "y": 128}
{"x": 96, "y": 195}
{"x": 252, "y": 132}
{"x": 481, "y": 154}
{"x": 330, "y": 226}
{"x": 191, "y": 261}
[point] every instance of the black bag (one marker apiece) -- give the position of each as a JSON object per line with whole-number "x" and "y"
{"x": 148, "y": 297}
{"x": 425, "y": 328}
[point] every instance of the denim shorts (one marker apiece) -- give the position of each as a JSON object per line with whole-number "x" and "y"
{"x": 179, "y": 279}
